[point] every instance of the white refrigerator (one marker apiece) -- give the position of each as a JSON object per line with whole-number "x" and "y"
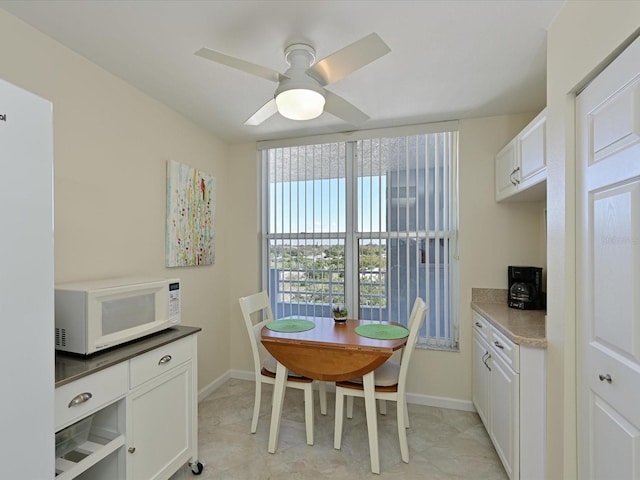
{"x": 26, "y": 286}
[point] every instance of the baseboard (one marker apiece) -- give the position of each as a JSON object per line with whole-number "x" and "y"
{"x": 213, "y": 386}
{"x": 440, "y": 402}
{"x": 242, "y": 375}
{"x": 418, "y": 399}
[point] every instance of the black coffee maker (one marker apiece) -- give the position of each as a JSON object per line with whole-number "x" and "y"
{"x": 525, "y": 288}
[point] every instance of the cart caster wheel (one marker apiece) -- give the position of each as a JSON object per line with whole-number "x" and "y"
{"x": 197, "y": 467}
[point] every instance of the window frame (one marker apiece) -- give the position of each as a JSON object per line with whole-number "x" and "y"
{"x": 353, "y": 236}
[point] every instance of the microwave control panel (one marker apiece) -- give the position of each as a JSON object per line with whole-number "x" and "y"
{"x": 174, "y": 302}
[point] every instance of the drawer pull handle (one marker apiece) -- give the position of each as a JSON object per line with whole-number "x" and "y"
{"x": 131, "y": 449}
{"x": 606, "y": 377}
{"x": 479, "y": 325}
{"x": 486, "y": 357}
{"x": 165, "y": 359}
{"x": 80, "y": 399}
{"x": 498, "y": 344}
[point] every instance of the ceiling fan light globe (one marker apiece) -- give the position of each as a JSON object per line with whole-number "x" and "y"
{"x": 300, "y": 104}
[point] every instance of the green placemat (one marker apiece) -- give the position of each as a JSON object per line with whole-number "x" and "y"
{"x": 291, "y": 325}
{"x": 382, "y": 331}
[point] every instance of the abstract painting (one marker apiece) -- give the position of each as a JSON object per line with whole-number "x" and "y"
{"x": 190, "y": 216}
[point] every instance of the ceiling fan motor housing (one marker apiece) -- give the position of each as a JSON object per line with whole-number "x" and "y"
{"x": 299, "y": 97}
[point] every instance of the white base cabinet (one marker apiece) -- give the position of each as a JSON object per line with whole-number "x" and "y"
{"x": 509, "y": 395}
{"x": 159, "y": 432}
{"x": 143, "y": 417}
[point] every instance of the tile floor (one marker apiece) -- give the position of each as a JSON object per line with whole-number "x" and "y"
{"x": 443, "y": 444}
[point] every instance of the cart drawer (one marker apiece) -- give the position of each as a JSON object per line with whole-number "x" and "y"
{"x": 82, "y": 397}
{"x": 162, "y": 359}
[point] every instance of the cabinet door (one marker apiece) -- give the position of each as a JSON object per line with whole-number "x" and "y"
{"x": 504, "y": 414}
{"x": 480, "y": 377}
{"x": 160, "y": 422}
{"x": 505, "y": 171}
{"x": 533, "y": 160}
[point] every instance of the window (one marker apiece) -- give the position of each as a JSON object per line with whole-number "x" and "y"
{"x": 370, "y": 224}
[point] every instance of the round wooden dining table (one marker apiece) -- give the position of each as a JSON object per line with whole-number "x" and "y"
{"x": 330, "y": 351}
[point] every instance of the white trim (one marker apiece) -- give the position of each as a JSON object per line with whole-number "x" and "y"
{"x": 242, "y": 375}
{"x": 264, "y": 216}
{"x": 361, "y": 134}
{"x": 213, "y": 386}
{"x": 440, "y": 402}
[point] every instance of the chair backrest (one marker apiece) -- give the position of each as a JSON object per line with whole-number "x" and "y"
{"x": 258, "y": 302}
{"x": 416, "y": 319}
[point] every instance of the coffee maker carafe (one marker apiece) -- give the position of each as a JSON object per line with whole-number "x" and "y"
{"x": 525, "y": 288}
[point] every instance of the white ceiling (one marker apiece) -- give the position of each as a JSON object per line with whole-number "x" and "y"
{"x": 449, "y": 59}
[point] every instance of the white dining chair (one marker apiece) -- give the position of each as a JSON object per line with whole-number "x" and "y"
{"x": 390, "y": 384}
{"x": 265, "y": 365}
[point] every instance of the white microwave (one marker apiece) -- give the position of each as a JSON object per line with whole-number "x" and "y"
{"x": 94, "y": 315}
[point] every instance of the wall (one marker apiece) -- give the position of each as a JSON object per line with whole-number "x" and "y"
{"x": 581, "y": 39}
{"x": 111, "y": 145}
{"x": 492, "y": 236}
{"x": 245, "y": 278}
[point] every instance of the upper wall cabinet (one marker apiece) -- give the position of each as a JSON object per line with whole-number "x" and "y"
{"x": 521, "y": 166}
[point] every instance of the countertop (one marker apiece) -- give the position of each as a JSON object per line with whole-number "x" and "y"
{"x": 70, "y": 367}
{"x": 523, "y": 327}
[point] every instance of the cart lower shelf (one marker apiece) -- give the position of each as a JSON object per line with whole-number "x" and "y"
{"x": 86, "y": 455}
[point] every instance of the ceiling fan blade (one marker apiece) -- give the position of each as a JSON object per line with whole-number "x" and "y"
{"x": 339, "y": 107}
{"x": 238, "y": 64}
{"x": 266, "y": 111}
{"x": 349, "y": 59}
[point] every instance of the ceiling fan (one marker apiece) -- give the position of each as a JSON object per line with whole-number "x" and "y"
{"x": 300, "y": 94}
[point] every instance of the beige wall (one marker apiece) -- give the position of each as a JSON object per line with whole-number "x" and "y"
{"x": 580, "y": 40}
{"x": 111, "y": 144}
{"x": 245, "y": 278}
{"x": 492, "y": 236}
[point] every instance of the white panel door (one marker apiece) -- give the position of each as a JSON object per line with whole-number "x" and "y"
{"x": 608, "y": 271}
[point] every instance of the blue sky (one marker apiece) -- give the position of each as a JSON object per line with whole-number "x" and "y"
{"x": 300, "y": 207}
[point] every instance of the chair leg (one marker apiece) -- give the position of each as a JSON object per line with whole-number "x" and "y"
{"x": 339, "y": 414}
{"x": 402, "y": 429}
{"x": 308, "y": 412}
{"x": 349, "y": 406}
{"x": 256, "y": 406}
{"x": 369, "y": 387}
{"x": 382, "y": 406}
{"x": 279, "y": 388}
{"x": 322, "y": 388}
{"x": 406, "y": 414}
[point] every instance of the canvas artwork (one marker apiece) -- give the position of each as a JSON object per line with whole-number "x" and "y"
{"x": 190, "y": 216}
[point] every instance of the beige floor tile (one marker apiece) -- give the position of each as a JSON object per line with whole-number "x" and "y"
{"x": 443, "y": 444}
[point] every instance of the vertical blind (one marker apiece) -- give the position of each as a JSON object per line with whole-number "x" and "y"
{"x": 369, "y": 224}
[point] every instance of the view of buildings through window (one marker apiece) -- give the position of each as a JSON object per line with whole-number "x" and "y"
{"x": 369, "y": 225}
